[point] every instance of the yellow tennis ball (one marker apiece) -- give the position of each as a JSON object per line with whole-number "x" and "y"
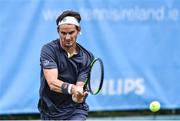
{"x": 154, "y": 106}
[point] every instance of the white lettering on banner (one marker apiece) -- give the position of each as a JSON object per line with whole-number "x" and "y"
{"x": 49, "y": 14}
{"x": 123, "y": 87}
{"x": 119, "y": 84}
{"x": 140, "y": 87}
{"x": 129, "y": 86}
{"x": 132, "y": 14}
{"x": 112, "y": 90}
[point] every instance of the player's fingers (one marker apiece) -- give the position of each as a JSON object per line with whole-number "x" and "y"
{"x": 86, "y": 93}
{"x": 77, "y": 90}
{"x": 77, "y": 99}
{"x": 80, "y": 90}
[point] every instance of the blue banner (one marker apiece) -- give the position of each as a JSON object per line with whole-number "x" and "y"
{"x": 138, "y": 41}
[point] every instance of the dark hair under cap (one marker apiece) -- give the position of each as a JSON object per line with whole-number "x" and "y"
{"x": 68, "y": 13}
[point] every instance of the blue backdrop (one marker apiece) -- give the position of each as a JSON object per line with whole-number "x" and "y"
{"x": 138, "y": 40}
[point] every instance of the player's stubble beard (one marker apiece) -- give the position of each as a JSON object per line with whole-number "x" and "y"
{"x": 68, "y": 45}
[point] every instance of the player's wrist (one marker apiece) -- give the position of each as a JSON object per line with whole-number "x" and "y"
{"x": 66, "y": 88}
{"x": 70, "y": 86}
{"x": 72, "y": 89}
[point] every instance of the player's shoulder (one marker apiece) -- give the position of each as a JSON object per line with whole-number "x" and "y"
{"x": 86, "y": 51}
{"x": 53, "y": 44}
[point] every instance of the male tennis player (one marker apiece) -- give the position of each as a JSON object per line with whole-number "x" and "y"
{"x": 64, "y": 68}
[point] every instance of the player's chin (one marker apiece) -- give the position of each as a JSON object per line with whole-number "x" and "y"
{"x": 68, "y": 44}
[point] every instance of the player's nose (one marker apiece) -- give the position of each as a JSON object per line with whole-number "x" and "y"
{"x": 67, "y": 36}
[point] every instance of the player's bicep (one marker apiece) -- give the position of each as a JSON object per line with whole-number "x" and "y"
{"x": 47, "y": 58}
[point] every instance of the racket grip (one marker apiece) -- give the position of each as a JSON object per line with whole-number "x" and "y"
{"x": 85, "y": 88}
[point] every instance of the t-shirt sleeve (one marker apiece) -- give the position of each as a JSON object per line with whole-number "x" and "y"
{"x": 83, "y": 74}
{"x": 47, "y": 57}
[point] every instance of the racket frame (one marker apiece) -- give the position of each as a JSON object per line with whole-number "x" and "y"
{"x": 87, "y": 85}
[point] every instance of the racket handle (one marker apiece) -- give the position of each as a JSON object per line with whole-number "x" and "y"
{"x": 85, "y": 88}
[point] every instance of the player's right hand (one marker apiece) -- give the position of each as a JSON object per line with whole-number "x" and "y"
{"x": 78, "y": 94}
{"x": 77, "y": 90}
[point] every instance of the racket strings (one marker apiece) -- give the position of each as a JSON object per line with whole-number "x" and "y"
{"x": 95, "y": 77}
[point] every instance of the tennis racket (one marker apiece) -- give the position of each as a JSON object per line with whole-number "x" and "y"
{"x": 95, "y": 78}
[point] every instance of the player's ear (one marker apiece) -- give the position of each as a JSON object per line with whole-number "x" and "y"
{"x": 79, "y": 30}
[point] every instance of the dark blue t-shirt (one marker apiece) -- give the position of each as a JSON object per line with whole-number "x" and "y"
{"x": 58, "y": 105}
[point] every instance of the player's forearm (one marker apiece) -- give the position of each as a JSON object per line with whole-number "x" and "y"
{"x": 66, "y": 88}
{"x": 55, "y": 85}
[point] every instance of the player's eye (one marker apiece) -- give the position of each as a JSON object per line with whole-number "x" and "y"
{"x": 71, "y": 32}
{"x": 63, "y": 33}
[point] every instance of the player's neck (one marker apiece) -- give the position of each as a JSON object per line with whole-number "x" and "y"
{"x": 74, "y": 49}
